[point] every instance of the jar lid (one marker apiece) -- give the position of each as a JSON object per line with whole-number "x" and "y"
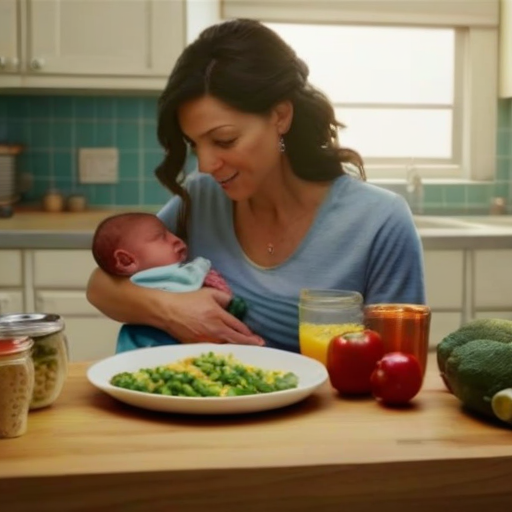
{"x": 30, "y": 324}
{"x": 10, "y": 346}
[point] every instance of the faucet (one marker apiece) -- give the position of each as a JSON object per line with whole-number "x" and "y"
{"x": 414, "y": 188}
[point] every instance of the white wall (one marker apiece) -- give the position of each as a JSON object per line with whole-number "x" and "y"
{"x": 201, "y": 14}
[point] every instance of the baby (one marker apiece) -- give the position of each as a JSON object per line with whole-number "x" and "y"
{"x": 140, "y": 246}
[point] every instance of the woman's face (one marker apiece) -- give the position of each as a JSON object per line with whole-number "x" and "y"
{"x": 239, "y": 150}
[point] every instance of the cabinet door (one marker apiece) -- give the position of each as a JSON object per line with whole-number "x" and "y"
{"x": 90, "y": 334}
{"x": 505, "y": 73}
{"x": 10, "y": 268}
{"x": 444, "y": 277}
{"x": 11, "y": 301}
{"x": 66, "y": 302}
{"x": 505, "y": 315}
{"x": 493, "y": 280}
{"x": 90, "y": 339}
{"x": 442, "y": 324}
{"x": 108, "y": 37}
{"x": 9, "y": 50}
{"x": 62, "y": 269}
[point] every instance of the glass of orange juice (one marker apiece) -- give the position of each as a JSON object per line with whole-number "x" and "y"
{"x": 324, "y": 314}
{"x": 402, "y": 327}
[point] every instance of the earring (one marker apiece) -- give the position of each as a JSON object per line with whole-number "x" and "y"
{"x": 282, "y": 145}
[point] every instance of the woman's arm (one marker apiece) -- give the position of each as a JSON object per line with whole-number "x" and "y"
{"x": 189, "y": 317}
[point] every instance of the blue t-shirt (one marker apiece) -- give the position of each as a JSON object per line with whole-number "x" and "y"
{"x": 363, "y": 238}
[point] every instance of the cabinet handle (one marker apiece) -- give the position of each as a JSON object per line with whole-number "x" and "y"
{"x": 37, "y": 64}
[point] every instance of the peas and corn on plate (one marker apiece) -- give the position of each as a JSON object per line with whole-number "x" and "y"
{"x": 206, "y": 375}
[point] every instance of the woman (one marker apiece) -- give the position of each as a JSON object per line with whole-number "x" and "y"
{"x": 272, "y": 206}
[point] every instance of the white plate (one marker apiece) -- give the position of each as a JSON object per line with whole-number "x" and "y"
{"x": 311, "y": 374}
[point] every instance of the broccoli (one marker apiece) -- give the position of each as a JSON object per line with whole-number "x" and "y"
{"x": 477, "y": 370}
{"x": 496, "y": 329}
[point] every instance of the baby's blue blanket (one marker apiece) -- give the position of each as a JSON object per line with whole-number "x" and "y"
{"x": 131, "y": 337}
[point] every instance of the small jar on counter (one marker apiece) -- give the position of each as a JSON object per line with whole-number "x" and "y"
{"x": 49, "y": 353}
{"x": 53, "y": 201}
{"x": 16, "y": 385}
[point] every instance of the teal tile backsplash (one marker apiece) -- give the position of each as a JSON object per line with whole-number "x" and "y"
{"x": 53, "y": 128}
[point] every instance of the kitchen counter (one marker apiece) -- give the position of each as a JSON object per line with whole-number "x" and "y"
{"x": 40, "y": 230}
{"x": 89, "y": 452}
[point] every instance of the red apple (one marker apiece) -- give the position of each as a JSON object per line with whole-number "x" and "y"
{"x": 397, "y": 378}
{"x": 351, "y": 359}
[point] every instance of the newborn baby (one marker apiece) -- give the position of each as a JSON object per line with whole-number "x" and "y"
{"x": 140, "y": 246}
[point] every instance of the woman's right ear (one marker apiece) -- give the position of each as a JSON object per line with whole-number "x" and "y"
{"x": 125, "y": 262}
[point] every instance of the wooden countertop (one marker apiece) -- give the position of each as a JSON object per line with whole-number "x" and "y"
{"x": 89, "y": 452}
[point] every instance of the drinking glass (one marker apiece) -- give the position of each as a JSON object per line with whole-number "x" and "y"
{"x": 403, "y": 328}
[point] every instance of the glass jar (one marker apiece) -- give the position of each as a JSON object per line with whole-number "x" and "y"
{"x": 324, "y": 314}
{"x": 49, "y": 353}
{"x": 16, "y": 385}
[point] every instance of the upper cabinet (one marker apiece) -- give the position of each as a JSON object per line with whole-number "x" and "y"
{"x": 505, "y": 83}
{"x": 9, "y": 44}
{"x": 105, "y": 44}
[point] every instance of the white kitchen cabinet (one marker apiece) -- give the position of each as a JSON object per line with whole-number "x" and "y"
{"x": 59, "y": 283}
{"x": 11, "y": 268}
{"x": 445, "y": 291}
{"x": 506, "y": 315}
{"x": 91, "y": 338}
{"x": 9, "y": 45}
{"x": 90, "y": 335}
{"x": 441, "y": 324}
{"x": 11, "y": 282}
{"x": 107, "y": 44}
{"x": 11, "y": 301}
{"x": 505, "y": 66}
{"x": 493, "y": 280}
{"x": 444, "y": 277}
{"x": 62, "y": 269}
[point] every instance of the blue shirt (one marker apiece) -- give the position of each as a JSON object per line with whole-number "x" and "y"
{"x": 363, "y": 238}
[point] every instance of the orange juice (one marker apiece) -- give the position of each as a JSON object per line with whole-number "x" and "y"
{"x": 314, "y": 338}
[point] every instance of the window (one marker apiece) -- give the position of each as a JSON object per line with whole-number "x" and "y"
{"x": 411, "y": 80}
{"x": 394, "y": 88}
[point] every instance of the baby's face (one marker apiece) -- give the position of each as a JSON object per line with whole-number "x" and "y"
{"x": 154, "y": 246}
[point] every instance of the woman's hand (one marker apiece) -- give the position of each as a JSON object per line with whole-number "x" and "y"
{"x": 201, "y": 316}
{"x": 190, "y": 317}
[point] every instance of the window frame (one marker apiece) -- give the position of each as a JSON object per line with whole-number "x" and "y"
{"x": 476, "y": 70}
{"x": 474, "y": 127}
{"x": 474, "y": 113}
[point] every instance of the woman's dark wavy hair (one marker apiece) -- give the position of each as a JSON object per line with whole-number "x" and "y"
{"x": 246, "y": 65}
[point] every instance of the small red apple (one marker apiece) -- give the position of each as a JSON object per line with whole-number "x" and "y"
{"x": 397, "y": 378}
{"x": 351, "y": 359}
